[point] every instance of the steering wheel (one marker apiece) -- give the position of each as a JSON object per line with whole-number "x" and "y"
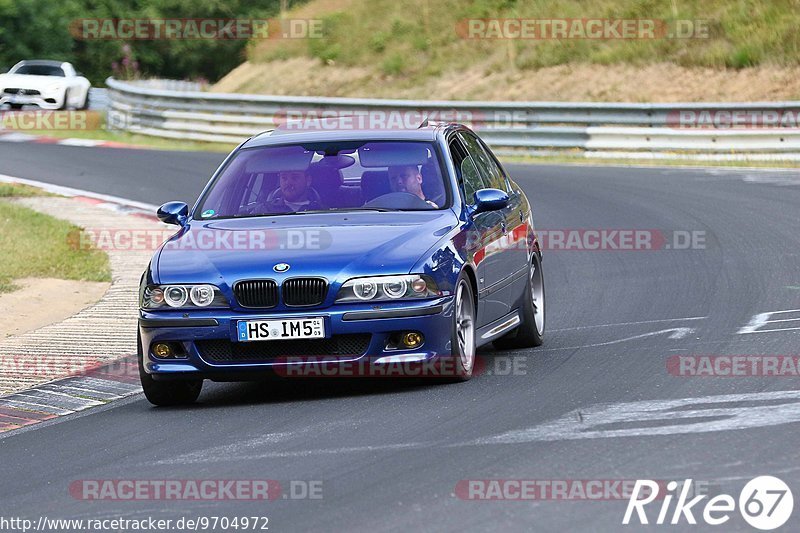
{"x": 439, "y": 199}
{"x": 399, "y": 200}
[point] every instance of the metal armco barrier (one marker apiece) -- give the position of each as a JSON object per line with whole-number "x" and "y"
{"x": 759, "y": 130}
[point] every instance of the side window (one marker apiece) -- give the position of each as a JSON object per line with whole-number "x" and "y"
{"x": 472, "y": 179}
{"x": 497, "y": 169}
{"x": 468, "y": 176}
{"x": 254, "y": 189}
{"x": 484, "y": 162}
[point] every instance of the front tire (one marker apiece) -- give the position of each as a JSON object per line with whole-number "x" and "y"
{"x": 463, "y": 337}
{"x": 86, "y": 102}
{"x": 530, "y": 332}
{"x": 65, "y": 103}
{"x": 166, "y": 393}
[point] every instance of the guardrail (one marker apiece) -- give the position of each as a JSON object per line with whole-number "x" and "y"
{"x": 761, "y": 130}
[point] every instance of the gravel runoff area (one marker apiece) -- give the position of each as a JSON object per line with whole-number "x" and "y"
{"x": 99, "y": 335}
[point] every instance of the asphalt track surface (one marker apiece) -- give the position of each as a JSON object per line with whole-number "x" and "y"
{"x": 390, "y": 454}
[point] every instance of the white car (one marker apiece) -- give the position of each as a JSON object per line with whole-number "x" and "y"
{"x": 47, "y": 84}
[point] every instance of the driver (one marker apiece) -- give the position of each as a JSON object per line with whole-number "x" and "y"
{"x": 293, "y": 194}
{"x": 406, "y": 178}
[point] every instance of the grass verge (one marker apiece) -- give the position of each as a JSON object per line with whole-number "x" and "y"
{"x": 20, "y": 191}
{"x": 38, "y": 245}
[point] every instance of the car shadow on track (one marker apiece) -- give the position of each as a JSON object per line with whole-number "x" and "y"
{"x": 279, "y": 390}
{"x": 290, "y": 390}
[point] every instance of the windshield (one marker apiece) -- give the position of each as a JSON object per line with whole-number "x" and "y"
{"x": 39, "y": 70}
{"x": 327, "y": 176}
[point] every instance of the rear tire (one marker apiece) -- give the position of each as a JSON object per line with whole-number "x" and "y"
{"x": 530, "y": 332}
{"x": 166, "y": 393}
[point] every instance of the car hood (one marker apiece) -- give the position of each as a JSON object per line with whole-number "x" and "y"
{"x": 332, "y": 245}
{"x": 27, "y": 81}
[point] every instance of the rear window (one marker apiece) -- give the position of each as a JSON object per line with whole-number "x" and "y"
{"x": 327, "y": 176}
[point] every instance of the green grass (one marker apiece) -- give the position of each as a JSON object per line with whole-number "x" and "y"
{"x": 38, "y": 245}
{"x": 415, "y": 39}
{"x": 18, "y": 190}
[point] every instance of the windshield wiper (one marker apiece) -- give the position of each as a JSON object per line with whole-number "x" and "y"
{"x": 311, "y": 212}
{"x": 256, "y": 215}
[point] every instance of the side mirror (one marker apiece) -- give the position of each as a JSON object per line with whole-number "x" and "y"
{"x": 489, "y": 200}
{"x": 173, "y": 213}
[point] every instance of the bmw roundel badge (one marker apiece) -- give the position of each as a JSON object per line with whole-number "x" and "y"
{"x": 281, "y": 267}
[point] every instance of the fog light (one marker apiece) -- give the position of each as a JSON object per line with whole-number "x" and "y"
{"x": 162, "y": 350}
{"x": 412, "y": 339}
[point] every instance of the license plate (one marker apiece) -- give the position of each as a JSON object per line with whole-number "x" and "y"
{"x": 280, "y": 329}
{"x": 16, "y": 99}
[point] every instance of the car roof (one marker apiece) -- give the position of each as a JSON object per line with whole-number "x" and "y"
{"x": 334, "y": 131}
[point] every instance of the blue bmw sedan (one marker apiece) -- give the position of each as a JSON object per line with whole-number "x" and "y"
{"x": 342, "y": 252}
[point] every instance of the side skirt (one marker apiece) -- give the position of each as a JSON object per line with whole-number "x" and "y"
{"x": 498, "y": 328}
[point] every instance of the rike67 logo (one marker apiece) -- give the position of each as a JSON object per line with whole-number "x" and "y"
{"x": 765, "y": 503}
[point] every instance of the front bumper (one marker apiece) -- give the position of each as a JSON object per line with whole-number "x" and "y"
{"x": 432, "y": 318}
{"x": 46, "y": 100}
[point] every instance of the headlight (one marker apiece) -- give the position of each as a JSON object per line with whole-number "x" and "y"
{"x": 175, "y": 295}
{"x": 365, "y": 289}
{"x": 395, "y": 288}
{"x": 411, "y": 286}
{"x": 181, "y": 296}
{"x": 202, "y": 295}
